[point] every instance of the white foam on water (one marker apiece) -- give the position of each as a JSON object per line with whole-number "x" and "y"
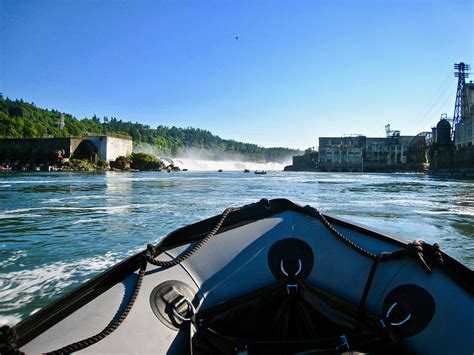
{"x": 408, "y": 202}
{"x": 33, "y": 182}
{"x": 73, "y": 199}
{"x": 88, "y": 220}
{"x": 21, "y": 215}
{"x": 89, "y": 197}
{"x": 53, "y": 200}
{"x": 226, "y": 165}
{"x": 20, "y": 287}
{"x": 456, "y": 211}
{"x": 13, "y": 259}
{"x": 336, "y": 180}
{"x": 22, "y": 212}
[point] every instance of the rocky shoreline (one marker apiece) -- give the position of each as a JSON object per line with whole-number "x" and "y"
{"x": 133, "y": 162}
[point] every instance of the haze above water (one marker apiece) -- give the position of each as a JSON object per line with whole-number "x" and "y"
{"x": 226, "y": 165}
{"x": 59, "y": 229}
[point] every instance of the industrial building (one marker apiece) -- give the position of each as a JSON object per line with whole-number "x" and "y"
{"x": 452, "y": 151}
{"x": 447, "y": 150}
{"x": 306, "y": 162}
{"x": 367, "y": 154}
{"x": 341, "y": 153}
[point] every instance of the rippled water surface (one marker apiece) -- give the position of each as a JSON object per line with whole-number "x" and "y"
{"x": 60, "y": 229}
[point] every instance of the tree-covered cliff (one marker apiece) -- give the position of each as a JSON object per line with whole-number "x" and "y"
{"x": 19, "y": 119}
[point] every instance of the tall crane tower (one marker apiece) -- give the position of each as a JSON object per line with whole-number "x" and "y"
{"x": 461, "y": 107}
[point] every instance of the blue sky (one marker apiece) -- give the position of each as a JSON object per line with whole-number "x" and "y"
{"x": 299, "y": 70}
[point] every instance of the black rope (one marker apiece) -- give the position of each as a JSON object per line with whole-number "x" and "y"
{"x": 8, "y": 341}
{"x": 82, "y": 344}
{"x": 368, "y": 284}
{"x": 427, "y": 255}
{"x": 418, "y": 248}
{"x": 314, "y": 212}
{"x": 8, "y": 345}
{"x": 148, "y": 258}
{"x": 199, "y": 245}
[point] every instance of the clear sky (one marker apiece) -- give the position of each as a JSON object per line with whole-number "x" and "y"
{"x": 275, "y": 73}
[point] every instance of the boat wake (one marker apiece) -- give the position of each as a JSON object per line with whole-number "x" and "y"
{"x": 19, "y": 288}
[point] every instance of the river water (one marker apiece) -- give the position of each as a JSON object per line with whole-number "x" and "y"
{"x": 58, "y": 230}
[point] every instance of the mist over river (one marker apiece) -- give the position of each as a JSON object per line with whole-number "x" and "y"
{"x": 58, "y": 230}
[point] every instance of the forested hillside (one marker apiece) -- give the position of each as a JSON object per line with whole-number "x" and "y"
{"x": 19, "y": 119}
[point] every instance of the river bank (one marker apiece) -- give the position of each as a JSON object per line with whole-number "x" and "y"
{"x": 132, "y": 162}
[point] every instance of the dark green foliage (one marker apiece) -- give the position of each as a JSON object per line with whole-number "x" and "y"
{"x": 121, "y": 163}
{"x": 79, "y": 165}
{"x": 102, "y": 163}
{"x": 19, "y": 119}
{"x": 15, "y": 111}
{"x": 143, "y": 161}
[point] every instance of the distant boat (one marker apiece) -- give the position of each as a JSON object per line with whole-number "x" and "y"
{"x": 246, "y": 171}
{"x": 184, "y": 170}
{"x": 5, "y": 168}
{"x": 260, "y": 172}
{"x": 219, "y": 171}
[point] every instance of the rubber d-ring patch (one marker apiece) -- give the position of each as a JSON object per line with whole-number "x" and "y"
{"x": 410, "y": 309}
{"x": 290, "y": 257}
{"x": 162, "y": 309}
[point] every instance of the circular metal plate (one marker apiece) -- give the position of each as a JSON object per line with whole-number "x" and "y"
{"x": 162, "y": 308}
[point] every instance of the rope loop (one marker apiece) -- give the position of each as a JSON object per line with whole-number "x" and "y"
{"x": 427, "y": 255}
{"x": 150, "y": 251}
{"x": 415, "y": 247}
{"x": 266, "y": 203}
{"x": 437, "y": 255}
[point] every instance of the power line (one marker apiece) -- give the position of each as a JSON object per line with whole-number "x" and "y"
{"x": 441, "y": 96}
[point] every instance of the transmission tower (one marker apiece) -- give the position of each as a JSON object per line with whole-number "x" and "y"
{"x": 460, "y": 107}
{"x": 60, "y": 122}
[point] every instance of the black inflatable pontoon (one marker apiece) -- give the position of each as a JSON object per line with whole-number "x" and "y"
{"x": 267, "y": 278}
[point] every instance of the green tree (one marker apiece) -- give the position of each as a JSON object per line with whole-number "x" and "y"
{"x": 21, "y": 119}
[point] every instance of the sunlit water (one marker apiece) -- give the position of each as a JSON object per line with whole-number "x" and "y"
{"x": 60, "y": 229}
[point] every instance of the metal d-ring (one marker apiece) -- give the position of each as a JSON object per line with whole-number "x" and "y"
{"x": 398, "y": 323}
{"x": 282, "y": 267}
{"x": 179, "y": 316}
